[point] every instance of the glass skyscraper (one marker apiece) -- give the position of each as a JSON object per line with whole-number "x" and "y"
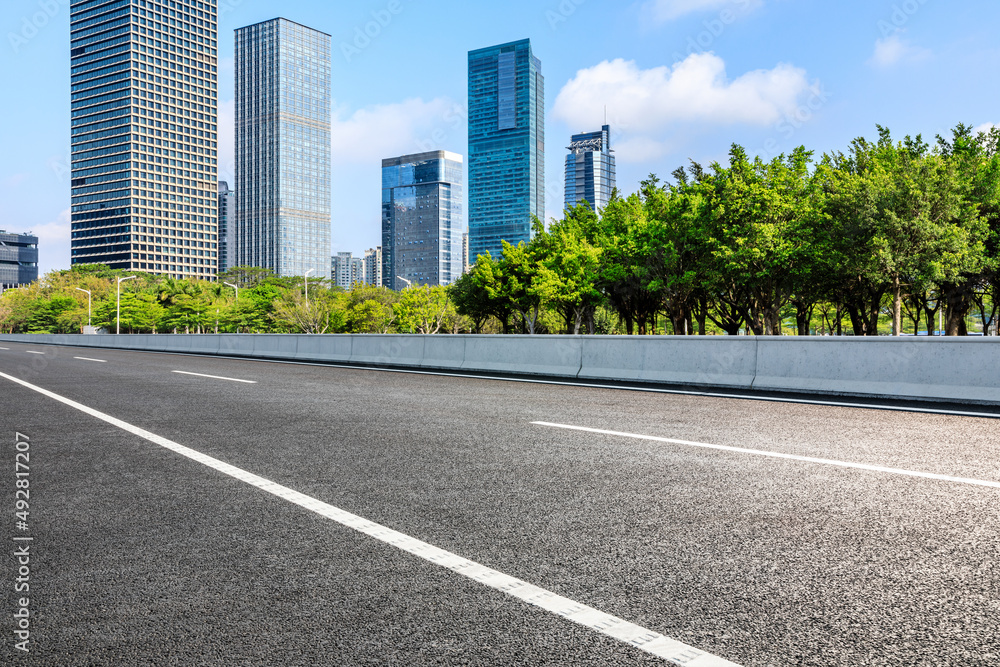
{"x": 18, "y": 259}
{"x": 590, "y": 169}
{"x": 506, "y": 146}
{"x": 422, "y": 219}
{"x": 283, "y": 169}
{"x": 144, "y": 135}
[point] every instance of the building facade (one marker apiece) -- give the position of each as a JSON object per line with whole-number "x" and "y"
{"x": 590, "y": 170}
{"x": 422, "y": 219}
{"x": 283, "y": 168}
{"x": 373, "y": 267}
{"x": 342, "y": 271}
{"x": 18, "y": 259}
{"x": 506, "y": 146}
{"x": 227, "y": 232}
{"x": 144, "y": 135}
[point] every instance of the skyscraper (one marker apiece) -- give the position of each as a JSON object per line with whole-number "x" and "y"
{"x": 506, "y": 146}
{"x": 590, "y": 169}
{"x": 227, "y": 205}
{"x": 144, "y": 135}
{"x": 283, "y": 168}
{"x": 422, "y": 219}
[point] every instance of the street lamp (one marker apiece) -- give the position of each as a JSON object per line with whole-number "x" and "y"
{"x": 307, "y": 286}
{"x": 80, "y": 289}
{"x": 118, "y": 315}
{"x": 235, "y": 287}
{"x": 409, "y": 283}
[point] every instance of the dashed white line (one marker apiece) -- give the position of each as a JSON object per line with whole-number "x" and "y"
{"x": 5, "y": 348}
{"x": 99, "y": 361}
{"x": 216, "y": 377}
{"x": 33, "y": 352}
{"x": 646, "y": 640}
{"x": 779, "y": 455}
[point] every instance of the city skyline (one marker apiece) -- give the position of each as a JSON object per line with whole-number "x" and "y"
{"x": 886, "y": 61}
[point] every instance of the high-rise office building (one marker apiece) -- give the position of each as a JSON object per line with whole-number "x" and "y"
{"x": 144, "y": 135}
{"x": 506, "y": 146}
{"x": 590, "y": 169}
{"x": 422, "y": 219}
{"x": 283, "y": 168}
{"x": 373, "y": 266}
{"x": 18, "y": 259}
{"x": 227, "y": 232}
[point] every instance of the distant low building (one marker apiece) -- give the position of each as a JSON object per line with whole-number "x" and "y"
{"x": 373, "y": 266}
{"x": 18, "y": 259}
{"x": 227, "y": 227}
{"x": 342, "y": 270}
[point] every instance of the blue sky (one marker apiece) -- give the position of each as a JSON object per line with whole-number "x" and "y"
{"x": 682, "y": 79}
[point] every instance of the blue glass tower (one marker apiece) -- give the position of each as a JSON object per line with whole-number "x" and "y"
{"x": 144, "y": 128}
{"x": 506, "y": 146}
{"x": 590, "y": 169}
{"x": 283, "y": 168}
{"x": 422, "y": 221}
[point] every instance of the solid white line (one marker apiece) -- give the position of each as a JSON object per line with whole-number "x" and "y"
{"x": 33, "y": 352}
{"x": 629, "y": 633}
{"x": 100, "y": 361}
{"x": 216, "y": 377}
{"x": 778, "y": 455}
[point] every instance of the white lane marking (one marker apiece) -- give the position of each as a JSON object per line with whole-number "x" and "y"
{"x": 33, "y": 352}
{"x": 778, "y": 455}
{"x": 99, "y": 361}
{"x": 629, "y": 633}
{"x": 5, "y": 348}
{"x": 216, "y": 377}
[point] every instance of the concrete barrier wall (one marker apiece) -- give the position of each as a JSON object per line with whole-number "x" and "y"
{"x": 963, "y": 370}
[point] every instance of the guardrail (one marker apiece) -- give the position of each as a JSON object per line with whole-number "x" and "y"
{"x": 965, "y": 370}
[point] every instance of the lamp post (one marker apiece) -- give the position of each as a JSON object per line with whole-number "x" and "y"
{"x": 80, "y": 289}
{"x": 235, "y": 287}
{"x": 409, "y": 283}
{"x": 118, "y": 313}
{"x": 307, "y": 286}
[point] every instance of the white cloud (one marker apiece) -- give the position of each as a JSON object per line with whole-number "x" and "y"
{"x": 645, "y": 103}
{"x": 668, "y": 10}
{"x": 53, "y": 243}
{"x": 368, "y": 135}
{"x": 893, "y": 50}
{"x": 985, "y": 128}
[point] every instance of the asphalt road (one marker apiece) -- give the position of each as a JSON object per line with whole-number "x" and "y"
{"x": 143, "y": 556}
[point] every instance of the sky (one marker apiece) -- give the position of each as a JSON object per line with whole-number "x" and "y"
{"x": 681, "y": 80}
